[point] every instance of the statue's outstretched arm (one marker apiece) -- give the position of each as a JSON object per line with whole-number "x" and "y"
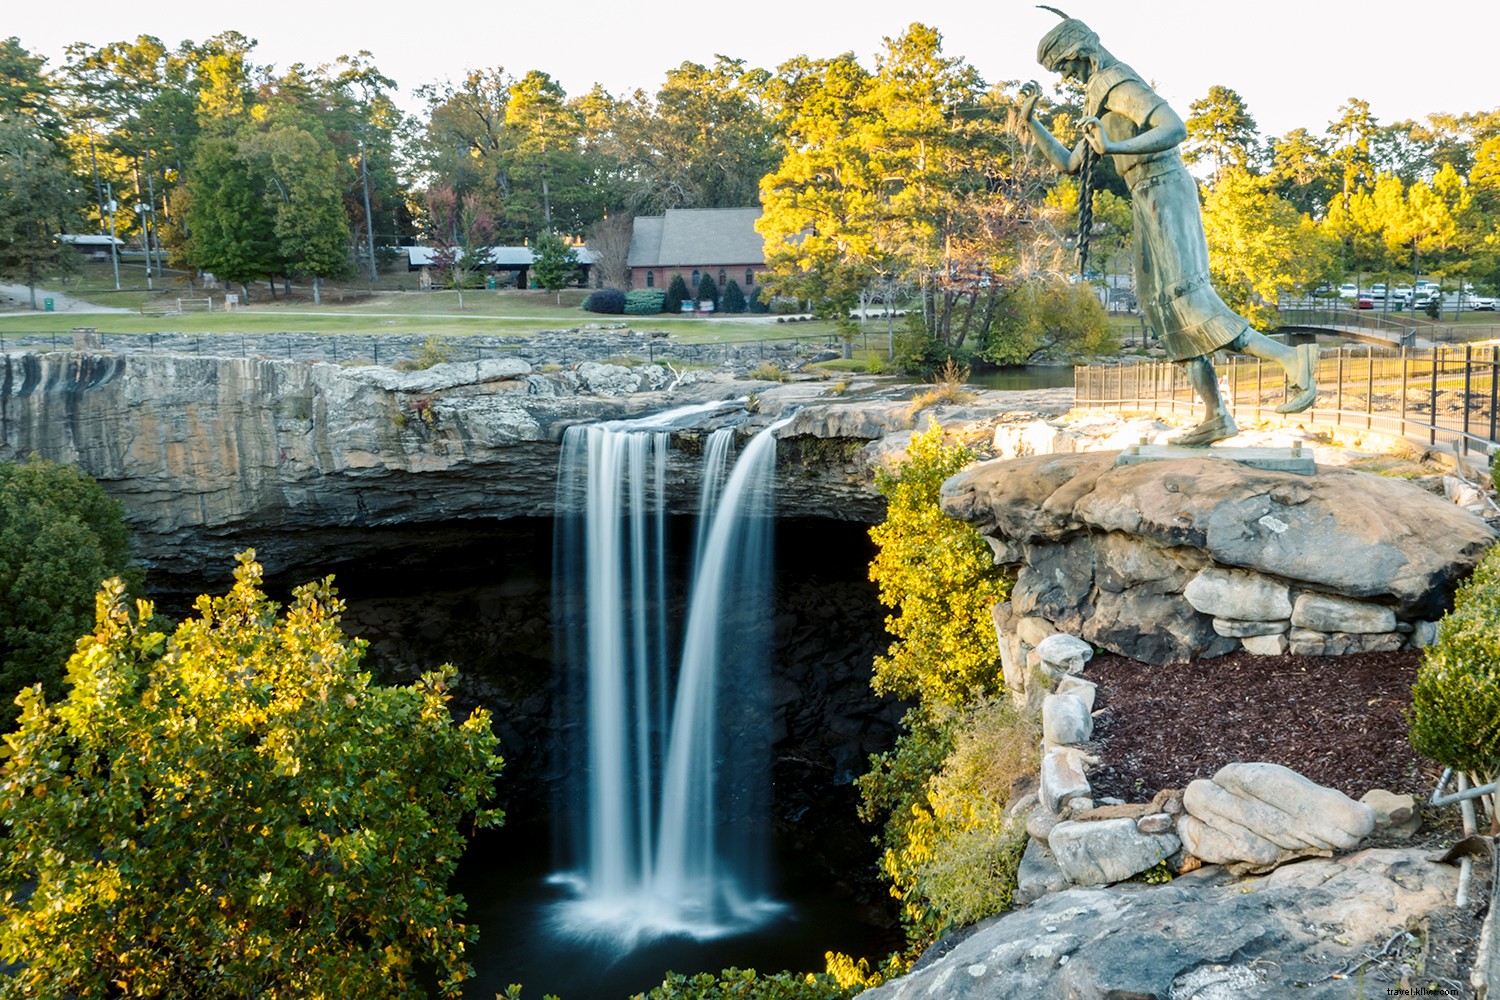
{"x": 1068, "y": 161}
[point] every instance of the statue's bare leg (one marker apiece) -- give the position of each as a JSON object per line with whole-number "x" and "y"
{"x": 1217, "y": 423}
{"x": 1300, "y": 363}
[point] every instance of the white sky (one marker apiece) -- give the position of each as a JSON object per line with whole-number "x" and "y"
{"x": 1293, "y": 61}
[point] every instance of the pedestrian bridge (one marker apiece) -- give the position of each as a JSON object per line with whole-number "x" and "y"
{"x": 1370, "y": 328}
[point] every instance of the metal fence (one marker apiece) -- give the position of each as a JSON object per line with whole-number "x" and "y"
{"x": 1440, "y": 396}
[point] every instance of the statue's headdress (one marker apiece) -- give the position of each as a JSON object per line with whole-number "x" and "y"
{"x": 1065, "y": 40}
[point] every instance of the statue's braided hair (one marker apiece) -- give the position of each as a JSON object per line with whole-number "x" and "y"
{"x": 1085, "y": 205}
{"x": 1062, "y": 40}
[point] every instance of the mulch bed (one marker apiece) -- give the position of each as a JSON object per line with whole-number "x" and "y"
{"x": 1338, "y": 720}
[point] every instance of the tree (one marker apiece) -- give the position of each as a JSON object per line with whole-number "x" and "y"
{"x": 677, "y": 294}
{"x": 1301, "y": 172}
{"x": 1044, "y": 317}
{"x": 237, "y": 811}
{"x": 38, "y": 200}
{"x": 461, "y": 230}
{"x": 609, "y": 240}
{"x": 554, "y": 263}
{"x": 708, "y": 290}
{"x": 1221, "y": 130}
{"x": 231, "y": 220}
{"x": 1261, "y": 248}
{"x": 311, "y": 226}
{"x": 60, "y": 536}
{"x": 734, "y": 298}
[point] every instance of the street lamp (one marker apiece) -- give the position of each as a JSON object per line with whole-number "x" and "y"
{"x": 114, "y": 250}
{"x": 147, "y": 218}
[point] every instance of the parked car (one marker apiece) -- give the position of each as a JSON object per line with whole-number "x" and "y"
{"x": 1348, "y": 291}
{"x": 1364, "y": 302}
{"x": 1483, "y": 302}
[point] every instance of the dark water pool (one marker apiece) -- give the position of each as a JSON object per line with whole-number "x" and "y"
{"x": 504, "y": 877}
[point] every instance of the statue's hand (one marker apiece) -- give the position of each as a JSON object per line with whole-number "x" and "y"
{"x": 1093, "y": 133}
{"x": 1031, "y": 92}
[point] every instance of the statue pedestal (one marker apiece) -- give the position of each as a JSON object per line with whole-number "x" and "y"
{"x": 1293, "y": 459}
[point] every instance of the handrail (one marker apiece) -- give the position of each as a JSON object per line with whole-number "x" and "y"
{"x": 1433, "y": 396}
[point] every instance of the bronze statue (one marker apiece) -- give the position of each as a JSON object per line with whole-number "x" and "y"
{"x": 1126, "y": 119}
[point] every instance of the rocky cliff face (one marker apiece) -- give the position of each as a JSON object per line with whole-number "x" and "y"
{"x": 213, "y": 454}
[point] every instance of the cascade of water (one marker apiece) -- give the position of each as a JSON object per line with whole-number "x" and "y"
{"x": 673, "y": 812}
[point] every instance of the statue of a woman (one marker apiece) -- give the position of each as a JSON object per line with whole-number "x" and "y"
{"x": 1126, "y": 119}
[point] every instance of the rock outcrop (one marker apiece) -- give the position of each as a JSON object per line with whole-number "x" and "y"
{"x": 1194, "y": 557}
{"x": 211, "y": 454}
{"x": 1286, "y": 934}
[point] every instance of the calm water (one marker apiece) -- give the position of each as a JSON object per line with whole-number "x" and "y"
{"x": 1025, "y": 377}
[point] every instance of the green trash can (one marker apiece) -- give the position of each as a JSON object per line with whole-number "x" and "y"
{"x": 489, "y": 283}
{"x": 47, "y": 305}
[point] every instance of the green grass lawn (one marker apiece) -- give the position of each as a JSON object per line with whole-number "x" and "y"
{"x": 353, "y": 308}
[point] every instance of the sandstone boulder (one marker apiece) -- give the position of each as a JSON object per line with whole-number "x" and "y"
{"x": 1064, "y": 654}
{"x": 1327, "y": 613}
{"x": 1065, "y": 720}
{"x": 1226, "y": 593}
{"x": 1107, "y": 850}
{"x": 1264, "y": 814}
{"x": 1063, "y": 777}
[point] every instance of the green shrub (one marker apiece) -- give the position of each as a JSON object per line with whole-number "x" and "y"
{"x": 708, "y": 290}
{"x": 939, "y": 574}
{"x": 609, "y": 301}
{"x": 432, "y": 352}
{"x": 237, "y": 810}
{"x": 766, "y": 371}
{"x": 677, "y": 294}
{"x": 757, "y": 302}
{"x": 734, "y": 298}
{"x": 644, "y": 301}
{"x": 61, "y": 535}
{"x": 1455, "y": 701}
{"x": 747, "y": 984}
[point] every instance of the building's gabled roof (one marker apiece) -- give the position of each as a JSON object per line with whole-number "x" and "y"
{"x": 697, "y": 237}
{"x": 645, "y": 241}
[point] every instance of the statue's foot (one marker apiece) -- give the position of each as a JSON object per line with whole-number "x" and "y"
{"x": 1304, "y": 380}
{"x": 1215, "y": 428}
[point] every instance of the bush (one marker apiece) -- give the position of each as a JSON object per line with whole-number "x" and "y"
{"x": 734, "y": 298}
{"x": 677, "y": 294}
{"x": 1455, "y": 701}
{"x": 757, "y": 302}
{"x": 238, "y": 811}
{"x": 747, "y": 984}
{"x": 61, "y": 535}
{"x": 432, "y": 352}
{"x": 708, "y": 290}
{"x": 766, "y": 371}
{"x": 644, "y": 301}
{"x": 610, "y": 301}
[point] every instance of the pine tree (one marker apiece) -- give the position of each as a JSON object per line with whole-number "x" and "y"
{"x": 677, "y": 294}
{"x": 734, "y": 299}
{"x": 708, "y": 291}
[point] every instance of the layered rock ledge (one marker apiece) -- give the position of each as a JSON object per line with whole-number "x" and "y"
{"x": 1173, "y": 560}
{"x": 213, "y": 454}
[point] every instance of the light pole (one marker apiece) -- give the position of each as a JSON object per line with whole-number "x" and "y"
{"x": 142, "y": 209}
{"x": 114, "y": 250}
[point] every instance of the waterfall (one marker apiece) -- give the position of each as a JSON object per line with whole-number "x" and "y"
{"x": 667, "y": 761}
